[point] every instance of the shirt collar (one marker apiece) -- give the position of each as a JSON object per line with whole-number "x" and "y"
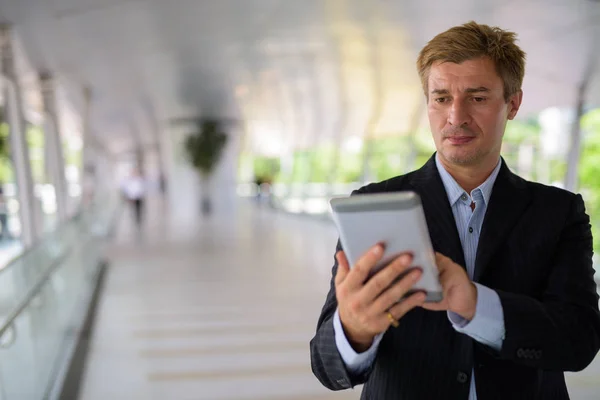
{"x": 454, "y": 190}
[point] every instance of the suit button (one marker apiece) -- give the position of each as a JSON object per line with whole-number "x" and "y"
{"x": 538, "y": 354}
{"x": 520, "y": 353}
{"x": 462, "y": 377}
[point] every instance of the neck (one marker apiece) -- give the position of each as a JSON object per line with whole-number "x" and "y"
{"x": 470, "y": 176}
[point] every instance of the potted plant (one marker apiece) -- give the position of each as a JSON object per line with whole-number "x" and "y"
{"x": 204, "y": 149}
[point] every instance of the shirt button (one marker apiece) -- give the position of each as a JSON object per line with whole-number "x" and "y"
{"x": 464, "y": 197}
{"x": 462, "y": 377}
{"x": 470, "y": 229}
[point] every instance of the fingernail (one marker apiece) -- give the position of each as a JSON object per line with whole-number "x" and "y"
{"x": 416, "y": 275}
{"x": 377, "y": 250}
{"x": 405, "y": 259}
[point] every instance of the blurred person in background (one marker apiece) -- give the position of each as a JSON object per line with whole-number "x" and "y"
{"x": 134, "y": 191}
{"x": 520, "y": 303}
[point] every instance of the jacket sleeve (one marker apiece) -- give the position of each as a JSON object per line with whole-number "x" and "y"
{"x": 561, "y": 330}
{"x": 326, "y": 362}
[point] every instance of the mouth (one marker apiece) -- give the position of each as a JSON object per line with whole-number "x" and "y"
{"x": 458, "y": 140}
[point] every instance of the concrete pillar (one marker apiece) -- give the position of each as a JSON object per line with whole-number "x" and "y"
{"x": 18, "y": 141}
{"x": 53, "y": 145}
{"x": 90, "y": 156}
{"x": 89, "y": 152}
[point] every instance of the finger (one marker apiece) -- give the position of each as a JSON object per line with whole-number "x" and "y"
{"x": 391, "y": 296}
{"x": 343, "y": 267}
{"x": 359, "y": 272}
{"x": 384, "y": 278}
{"x": 442, "y": 262}
{"x": 412, "y": 301}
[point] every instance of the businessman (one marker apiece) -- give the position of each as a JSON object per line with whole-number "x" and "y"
{"x": 520, "y": 304}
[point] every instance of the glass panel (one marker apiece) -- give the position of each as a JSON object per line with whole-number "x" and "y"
{"x": 10, "y": 224}
{"x": 40, "y": 339}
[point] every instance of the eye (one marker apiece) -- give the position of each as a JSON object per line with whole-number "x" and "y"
{"x": 441, "y": 100}
{"x": 479, "y": 99}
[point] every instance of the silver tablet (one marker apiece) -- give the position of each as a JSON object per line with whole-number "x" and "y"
{"x": 395, "y": 219}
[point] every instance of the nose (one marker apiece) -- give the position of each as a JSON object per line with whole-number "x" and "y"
{"x": 458, "y": 114}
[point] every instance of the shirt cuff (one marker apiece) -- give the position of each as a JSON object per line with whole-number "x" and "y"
{"x": 356, "y": 363}
{"x": 487, "y": 326}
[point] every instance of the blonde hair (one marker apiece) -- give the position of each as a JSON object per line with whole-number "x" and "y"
{"x": 473, "y": 40}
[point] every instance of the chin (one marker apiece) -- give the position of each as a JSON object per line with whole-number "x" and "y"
{"x": 462, "y": 157}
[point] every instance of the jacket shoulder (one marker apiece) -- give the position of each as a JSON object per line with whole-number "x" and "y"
{"x": 395, "y": 184}
{"x": 547, "y": 193}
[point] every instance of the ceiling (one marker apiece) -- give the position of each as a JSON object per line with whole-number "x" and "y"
{"x": 296, "y": 71}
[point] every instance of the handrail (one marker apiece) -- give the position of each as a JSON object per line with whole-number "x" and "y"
{"x": 34, "y": 291}
{"x": 39, "y": 285}
{"x": 39, "y": 242}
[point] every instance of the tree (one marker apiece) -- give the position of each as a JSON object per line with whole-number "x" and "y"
{"x": 204, "y": 149}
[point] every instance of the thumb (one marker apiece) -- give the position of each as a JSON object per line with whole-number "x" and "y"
{"x": 343, "y": 268}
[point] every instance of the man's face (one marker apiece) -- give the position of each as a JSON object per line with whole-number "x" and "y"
{"x": 467, "y": 111}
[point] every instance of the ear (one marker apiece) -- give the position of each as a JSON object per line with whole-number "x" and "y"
{"x": 514, "y": 103}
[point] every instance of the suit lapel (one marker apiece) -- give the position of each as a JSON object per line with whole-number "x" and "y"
{"x": 509, "y": 200}
{"x": 438, "y": 213}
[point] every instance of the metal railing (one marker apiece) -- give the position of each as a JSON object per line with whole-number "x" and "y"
{"x": 44, "y": 295}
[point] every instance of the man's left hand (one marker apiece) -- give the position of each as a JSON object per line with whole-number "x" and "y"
{"x": 460, "y": 294}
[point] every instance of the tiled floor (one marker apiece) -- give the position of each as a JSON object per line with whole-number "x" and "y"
{"x": 220, "y": 309}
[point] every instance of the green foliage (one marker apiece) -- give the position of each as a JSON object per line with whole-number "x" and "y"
{"x": 301, "y": 166}
{"x": 321, "y": 163}
{"x": 36, "y": 142}
{"x": 6, "y": 171}
{"x": 266, "y": 167}
{"x": 518, "y": 132}
{"x": 388, "y": 154}
{"x": 204, "y": 147}
{"x": 350, "y": 166}
{"x": 4, "y": 140}
{"x": 589, "y": 171}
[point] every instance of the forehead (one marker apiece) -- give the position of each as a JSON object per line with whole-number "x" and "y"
{"x": 470, "y": 73}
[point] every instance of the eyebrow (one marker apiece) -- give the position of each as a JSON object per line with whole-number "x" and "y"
{"x": 479, "y": 89}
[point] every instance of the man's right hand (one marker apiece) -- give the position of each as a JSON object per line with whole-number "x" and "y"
{"x": 363, "y": 305}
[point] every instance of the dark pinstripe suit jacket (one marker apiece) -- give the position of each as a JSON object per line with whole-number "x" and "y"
{"x": 535, "y": 250}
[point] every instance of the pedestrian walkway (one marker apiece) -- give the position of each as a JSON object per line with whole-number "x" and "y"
{"x": 217, "y": 309}
{"x": 220, "y": 309}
